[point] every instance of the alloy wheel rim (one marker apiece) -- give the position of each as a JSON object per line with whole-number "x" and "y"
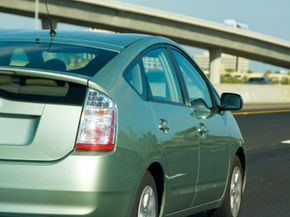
{"x": 147, "y": 203}
{"x": 236, "y": 192}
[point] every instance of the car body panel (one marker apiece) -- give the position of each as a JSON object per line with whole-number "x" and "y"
{"x": 34, "y": 129}
{"x": 180, "y": 148}
{"x": 214, "y": 157}
{"x": 70, "y": 186}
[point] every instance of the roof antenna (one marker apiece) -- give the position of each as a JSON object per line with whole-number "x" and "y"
{"x": 52, "y": 32}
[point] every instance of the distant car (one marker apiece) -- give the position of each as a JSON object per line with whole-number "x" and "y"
{"x": 258, "y": 80}
{"x": 236, "y": 24}
{"x": 113, "y": 125}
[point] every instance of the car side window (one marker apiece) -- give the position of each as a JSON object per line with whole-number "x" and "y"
{"x": 196, "y": 86}
{"x": 134, "y": 77}
{"x": 162, "y": 80}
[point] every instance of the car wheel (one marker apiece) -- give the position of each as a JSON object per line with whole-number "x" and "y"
{"x": 233, "y": 197}
{"x": 146, "y": 204}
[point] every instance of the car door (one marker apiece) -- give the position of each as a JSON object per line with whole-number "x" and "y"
{"x": 212, "y": 128}
{"x": 175, "y": 128}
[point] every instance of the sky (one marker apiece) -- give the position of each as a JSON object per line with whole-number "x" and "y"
{"x": 269, "y": 17}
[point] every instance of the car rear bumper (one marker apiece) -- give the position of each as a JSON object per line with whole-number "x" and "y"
{"x": 59, "y": 203}
{"x": 76, "y": 186}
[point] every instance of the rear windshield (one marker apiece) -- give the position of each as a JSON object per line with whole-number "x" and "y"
{"x": 56, "y": 57}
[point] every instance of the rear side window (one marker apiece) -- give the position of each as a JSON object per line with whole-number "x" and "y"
{"x": 134, "y": 77}
{"x": 55, "y": 57}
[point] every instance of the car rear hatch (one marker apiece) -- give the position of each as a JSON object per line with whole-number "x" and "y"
{"x": 43, "y": 85}
{"x": 39, "y": 114}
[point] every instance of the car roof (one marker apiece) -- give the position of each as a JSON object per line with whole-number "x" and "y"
{"x": 113, "y": 41}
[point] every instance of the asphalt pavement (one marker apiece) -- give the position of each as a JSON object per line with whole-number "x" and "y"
{"x": 267, "y": 138}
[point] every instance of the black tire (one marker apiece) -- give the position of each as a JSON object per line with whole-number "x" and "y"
{"x": 226, "y": 209}
{"x": 148, "y": 190}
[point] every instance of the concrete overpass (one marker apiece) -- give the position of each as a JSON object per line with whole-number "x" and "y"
{"x": 122, "y": 17}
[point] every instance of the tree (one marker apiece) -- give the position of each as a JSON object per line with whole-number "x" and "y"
{"x": 231, "y": 79}
{"x": 284, "y": 80}
{"x": 268, "y": 73}
{"x": 274, "y": 80}
{"x": 229, "y": 70}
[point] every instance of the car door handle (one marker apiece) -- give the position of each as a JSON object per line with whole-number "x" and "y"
{"x": 202, "y": 130}
{"x": 163, "y": 125}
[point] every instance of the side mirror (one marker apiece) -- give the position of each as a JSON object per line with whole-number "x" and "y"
{"x": 231, "y": 102}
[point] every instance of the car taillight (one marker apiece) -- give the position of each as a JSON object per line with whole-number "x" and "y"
{"x": 97, "y": 130}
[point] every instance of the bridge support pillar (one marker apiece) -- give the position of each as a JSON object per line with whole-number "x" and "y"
{"x": 45, "y": 24}
{"x": 215, "y": 65}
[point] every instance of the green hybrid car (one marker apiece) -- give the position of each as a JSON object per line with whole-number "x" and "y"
{"x": 113, "y": 125}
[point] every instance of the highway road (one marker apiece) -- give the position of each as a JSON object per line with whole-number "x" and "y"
{"x": 267, "y": 138}
{"x": 268, "y": 143}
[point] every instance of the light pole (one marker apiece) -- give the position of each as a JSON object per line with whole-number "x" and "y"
{"x": 36, "y": 15}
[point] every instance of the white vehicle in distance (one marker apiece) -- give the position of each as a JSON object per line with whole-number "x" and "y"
{"x": 236, "y": 24}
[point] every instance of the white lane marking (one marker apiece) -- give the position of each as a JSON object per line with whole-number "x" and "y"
{"x": 286, "y": 142}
